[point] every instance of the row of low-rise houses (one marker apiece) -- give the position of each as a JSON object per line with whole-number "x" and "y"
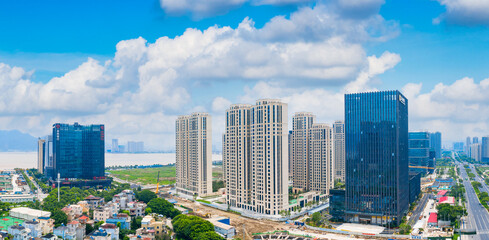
{"x": 32, "y": 223}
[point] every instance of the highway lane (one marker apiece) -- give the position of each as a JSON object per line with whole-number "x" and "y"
{"x": 478, "y": 216}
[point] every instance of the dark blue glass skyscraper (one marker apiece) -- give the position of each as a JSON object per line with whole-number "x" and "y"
{"x": 79, "y": 151}
{"x": 376, "y": 144}
{"x": 419, "y": 152}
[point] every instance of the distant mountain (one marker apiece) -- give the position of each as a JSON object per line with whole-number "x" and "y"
{"x": 13, "y": 140}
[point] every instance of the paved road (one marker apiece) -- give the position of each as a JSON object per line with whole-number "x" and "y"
{"x": 419, "y": 209}
{"x": 478, "y": 216}
{"x": 40, "y": 194}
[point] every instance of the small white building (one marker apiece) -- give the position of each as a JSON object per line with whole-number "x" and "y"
{"x": 16, "y": 198}
{"x": 111, "y": 229}
{"x": 136, "y": 209}
{"x": 19, "y": 232}
{"x": 223, "y": 229}
{"x": 64, "y": 233}
{"x": 47, "y": 225}
{"x": 25, "y": 213}
{"x": 35, "y": 227}
{"x": 101, "y": 214}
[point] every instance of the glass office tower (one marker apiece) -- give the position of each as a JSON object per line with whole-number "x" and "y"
{"x": 435, "y": 143}
{"x": 78, "y": 151}
{"x": 419, "y": 152}
{"x": 376, "y": 144}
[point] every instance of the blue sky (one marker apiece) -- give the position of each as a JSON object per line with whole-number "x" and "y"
{"x": 134, "y": 66}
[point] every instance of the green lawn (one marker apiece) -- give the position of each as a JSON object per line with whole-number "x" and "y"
{"x": 6, "y": 222}
{"x": 147, "y": 175}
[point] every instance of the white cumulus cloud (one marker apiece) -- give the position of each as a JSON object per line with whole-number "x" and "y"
{"x": 465, "y": 12}
{"x": 458, "y": 109}
{"x": 140, "y": 91}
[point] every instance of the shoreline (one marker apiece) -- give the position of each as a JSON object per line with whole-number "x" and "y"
{"x": 11, "y": 160}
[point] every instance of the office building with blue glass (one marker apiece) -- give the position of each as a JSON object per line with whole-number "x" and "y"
{"x": 435, "y": 143}
{"x": 78, "y": 151}
{"x": 377, "y": 169}
{"x": 419, "y": 152}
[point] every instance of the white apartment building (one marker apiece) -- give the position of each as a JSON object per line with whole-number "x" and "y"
{"x": 321, "y": 158}
{"x": 101, "y": 214}
{"x": 299, "y": 149}
{"x": 255, "y": 155}
{"x": 194, "y": 154}
{"x": 236, "y": 156}
{"x": 312, "y": 154}
{"x": 339, "y": 150}
{"x": 475, "y": 151}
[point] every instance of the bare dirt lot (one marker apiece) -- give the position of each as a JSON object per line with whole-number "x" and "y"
{"x": 250, "y": 225}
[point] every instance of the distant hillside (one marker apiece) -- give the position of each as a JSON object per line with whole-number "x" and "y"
{"x": 13, "y": 140}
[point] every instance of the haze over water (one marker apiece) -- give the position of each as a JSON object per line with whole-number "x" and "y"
{"x": 11, "y": 160}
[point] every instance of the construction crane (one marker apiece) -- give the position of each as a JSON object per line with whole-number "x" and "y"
{"x": 157, "y": 182}
{"x": 423, "y": 167}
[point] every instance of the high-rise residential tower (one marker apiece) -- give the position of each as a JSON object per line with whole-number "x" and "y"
{"x": 311, "y": 154}
{"x": 435, "y": 143}
{"x": 299, "y": 149}
{"x": 236, "y": 156}
{"x": 255, "y": 142}
{"x": 458, "y": 146}
{"x": 115, "y": 146}
{"x": 194, "y": 154}
{"x": 41, "y": 146}
{"x": 339, "y": 150}
{"x": 476, "y": 151}
{"x": 376, "y": 146}
{"x": 321, "y": 158}
{"x": 78, "y": 151}
{"x": 467, "y": 146}
{"x": 269, "y": 160}
{"x": 419, "y": 152}
{"x": 475, "y": 140}
{"x": 485, "y": 147}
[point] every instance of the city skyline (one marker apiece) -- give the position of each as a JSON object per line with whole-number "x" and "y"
{"x": 152, "y": 61}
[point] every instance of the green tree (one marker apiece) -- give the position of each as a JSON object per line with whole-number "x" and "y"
{"x": 200, "y": 227}
{"x": 210, "y": 236}
{"x": 161, "y": 206}
{"x": 445, "y": 211}
{"x": 192, "y": 227}
{"x": 59, "y": 217}
{"x": 316, "y": 218}
{"x": 147, "y": 211}
{"x": 404, "y": 228}
{"x": 146, "y": 195}
{"x": 136, "y": 223}
{"x": 98, "y": 224}
{"x": 88, "y": 229}
{"x": 476, "y": 184}
{"x": 216, "y": 185}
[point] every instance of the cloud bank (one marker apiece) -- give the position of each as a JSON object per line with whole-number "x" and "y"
{"x": 465, "y": 12}
{"x": 309, "y": 59}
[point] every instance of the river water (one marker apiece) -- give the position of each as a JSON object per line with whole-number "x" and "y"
{"x": 11, "y": 160}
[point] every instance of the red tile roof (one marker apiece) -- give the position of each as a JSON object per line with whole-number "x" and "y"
{"x": 447, "y": 199}
{"x": 442, "y": 192}
{"x": 91, "y": 197}
{"x": 108, "y": 225}
{"x": 433, "y": 218}
{"x": 83, "y": 217}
